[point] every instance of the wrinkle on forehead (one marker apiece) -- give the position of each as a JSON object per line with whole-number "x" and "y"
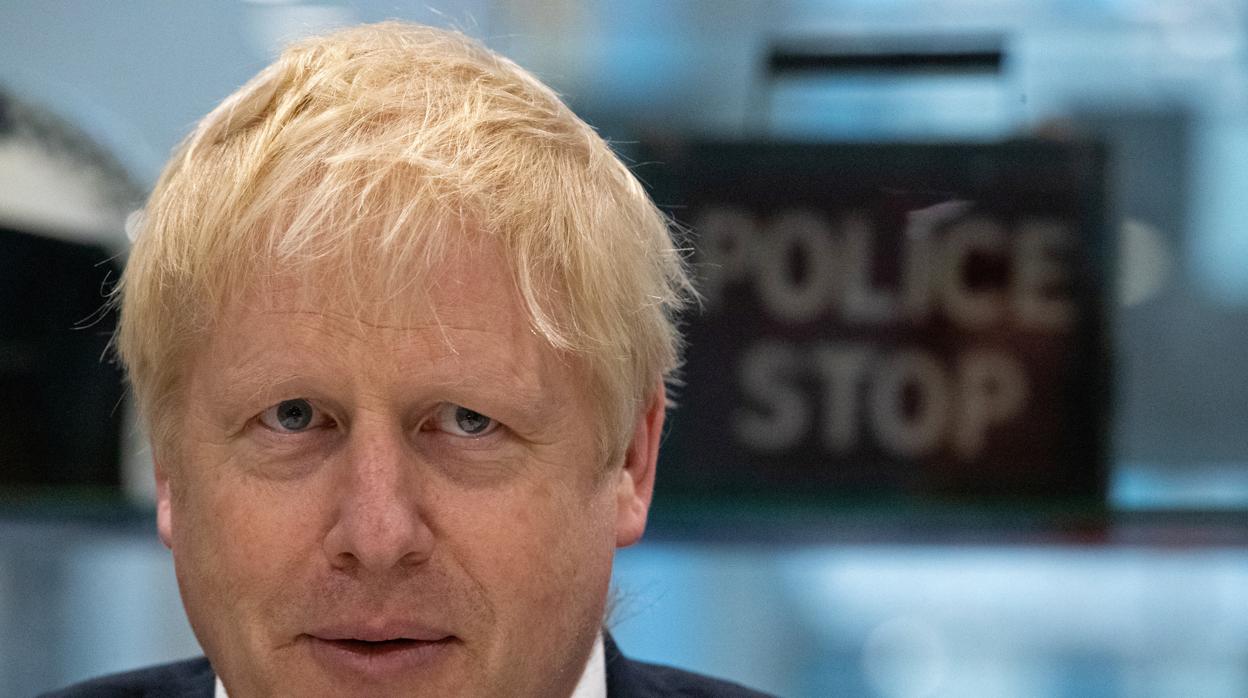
{"x": 425, "y": 292}
{"x": 466, "y": 304}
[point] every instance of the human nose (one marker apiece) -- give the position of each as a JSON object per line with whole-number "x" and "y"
{"x": 379, "y": 521}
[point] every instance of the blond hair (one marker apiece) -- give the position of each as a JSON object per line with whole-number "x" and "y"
{"x": 361, "y": 154}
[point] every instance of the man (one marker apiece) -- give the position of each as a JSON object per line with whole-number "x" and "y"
{"x": 399, "y": 324}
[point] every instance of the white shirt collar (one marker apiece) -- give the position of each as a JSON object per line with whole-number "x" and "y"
{"x": 593, "y": 683}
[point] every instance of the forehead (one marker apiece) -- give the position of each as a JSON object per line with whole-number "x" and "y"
{"x": 467, "y": 287}
{"x": 461, "y": 320}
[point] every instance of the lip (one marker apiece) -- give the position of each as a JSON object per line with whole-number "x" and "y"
{"x": 379, "y": 651}
{"x": 379, "y": 632}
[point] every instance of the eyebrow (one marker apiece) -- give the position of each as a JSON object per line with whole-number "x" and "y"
{"x": 248, "y": 378}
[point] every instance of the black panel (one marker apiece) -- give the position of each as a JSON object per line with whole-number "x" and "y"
{"x": 922, "y": 322}
{"x": 60, "y": 395}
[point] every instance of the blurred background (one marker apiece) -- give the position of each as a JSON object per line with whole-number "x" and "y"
{"x": 1138, "y": 587}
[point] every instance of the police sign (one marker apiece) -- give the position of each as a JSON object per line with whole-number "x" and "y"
{"x": 918, "y": 320}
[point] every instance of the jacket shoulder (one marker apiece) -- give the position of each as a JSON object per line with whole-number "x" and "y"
{"x": 192, "y": 678}
{"x": 627, "y": 678}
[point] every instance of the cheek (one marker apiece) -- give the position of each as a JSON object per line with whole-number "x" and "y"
{"x": 239, "y": 544}
{"x": 537, "y": 547}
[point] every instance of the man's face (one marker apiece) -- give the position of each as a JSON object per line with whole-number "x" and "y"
{"x": 396, "y": 503}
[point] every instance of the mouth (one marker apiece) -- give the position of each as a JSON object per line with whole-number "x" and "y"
{"x": 381, "y": 647}
{"x": 380, "y": 658}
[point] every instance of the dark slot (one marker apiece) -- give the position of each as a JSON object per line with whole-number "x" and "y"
{"x": 911, "y": 55}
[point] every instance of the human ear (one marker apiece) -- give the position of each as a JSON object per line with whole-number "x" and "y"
{"x": 164, "y": 504}
{"x": 635, "y": 484}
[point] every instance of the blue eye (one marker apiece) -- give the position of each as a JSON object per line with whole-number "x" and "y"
{"x": 471, "y": 422}
{"x": 289, "y": 415}
{"x": 461, "y": 421}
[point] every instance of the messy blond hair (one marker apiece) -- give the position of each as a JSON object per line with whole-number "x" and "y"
{"x": 361, "y": 155}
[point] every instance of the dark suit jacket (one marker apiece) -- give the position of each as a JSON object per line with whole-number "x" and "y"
{"x": 193, "y": 678}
